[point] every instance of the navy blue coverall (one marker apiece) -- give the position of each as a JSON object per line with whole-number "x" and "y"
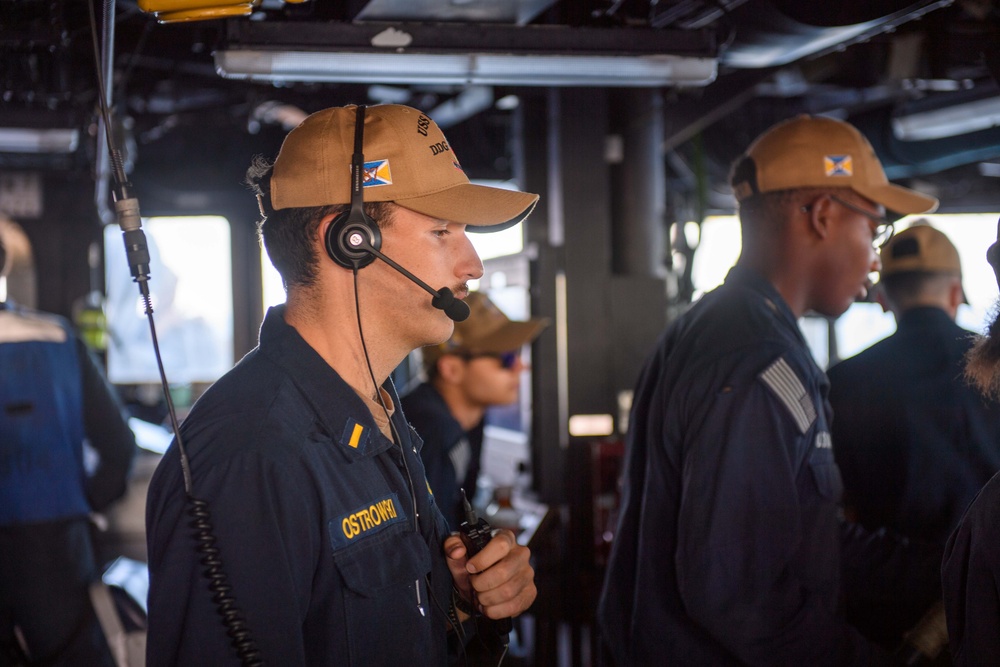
{"x": 312, "y": 511}
{"x": 915, "y": 443}
{"x": 969, "y": 574}
{"x": 728, "y": 548}
{"x": 447, "y": 447}
{"x": 54, "y": 397}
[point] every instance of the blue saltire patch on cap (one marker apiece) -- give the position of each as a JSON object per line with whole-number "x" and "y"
{"x": 368, "y": 519}
{"x": 376, "y": 172}
{"x": 838, "y": 165}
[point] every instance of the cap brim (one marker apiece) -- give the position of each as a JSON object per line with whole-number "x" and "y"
{"x": 898, "y": 199}
{"x": 511, "y": 336}
{"x": 485, "y": 208}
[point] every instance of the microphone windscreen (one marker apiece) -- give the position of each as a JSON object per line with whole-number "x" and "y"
{"x": 458, "y": 311}
{"x": 454, "y": 308}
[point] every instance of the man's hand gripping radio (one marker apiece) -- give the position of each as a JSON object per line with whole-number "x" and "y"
{"x": 476, "y": 534}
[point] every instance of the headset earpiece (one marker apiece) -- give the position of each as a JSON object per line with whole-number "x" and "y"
{"x": 347, "y": 238}
{"x": 352, "y": 234}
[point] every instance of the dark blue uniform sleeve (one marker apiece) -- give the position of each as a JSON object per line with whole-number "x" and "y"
{"x": 440, "y": 476}
{"x": 106, "y": 426}
{"x": 438, "y": 430}
{"x": 889, "y": 581}
{"x": 747, "y": 518}
{"x": 268, "y": 541}
{"x": 971, "y": 582}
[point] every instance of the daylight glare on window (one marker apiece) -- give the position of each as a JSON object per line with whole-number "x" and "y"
{"x": 865, "y": 323}
{"x": 191, "y": 290}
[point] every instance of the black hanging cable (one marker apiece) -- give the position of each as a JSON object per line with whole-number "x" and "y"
{"x": 453, "y": 622}
{"x": 137, "y": 254}
{"x": 395, "y": 434}
{"x": 357, "y": 215}
{"x": 456, "y": 626}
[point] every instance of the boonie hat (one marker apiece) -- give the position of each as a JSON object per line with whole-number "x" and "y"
{"x": 486, "y": 331}
{"x": 920, "y": 247}
{"x": 813, "y": 151}
{"x": 407, "y": 161}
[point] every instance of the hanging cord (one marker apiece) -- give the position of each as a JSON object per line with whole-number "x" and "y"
{"x": 451, "y": 618}
{"x": 137, "y": 252}
{"x": 453, "y": 622}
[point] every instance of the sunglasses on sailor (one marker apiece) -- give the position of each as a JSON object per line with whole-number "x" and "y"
{"x": 507, "y": 359}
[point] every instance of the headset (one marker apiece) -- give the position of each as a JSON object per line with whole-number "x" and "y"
{"x": 353, "y": 235}
{"x": 353, "y": 239}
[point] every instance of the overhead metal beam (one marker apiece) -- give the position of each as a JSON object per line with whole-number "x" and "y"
{"x": 499, "y": 11}
{"x": 683, "y": 121}
{"x": 480, "y": 38}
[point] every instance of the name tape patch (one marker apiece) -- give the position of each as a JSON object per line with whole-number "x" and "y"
{"x": 366, "y": 520}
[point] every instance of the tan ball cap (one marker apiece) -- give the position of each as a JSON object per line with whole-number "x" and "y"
{"x": 813, "y": 151}
{"x": 407, "y": 161}
{"x": 920, "y": 248}
{"x": 486, "y": 331}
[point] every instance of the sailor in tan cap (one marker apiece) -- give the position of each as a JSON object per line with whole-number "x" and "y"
{"x": 914, "y": 441}
{"x": 728, "y": 547}
{"x": 331, "y": 547}
{"x": 478, "y": 367}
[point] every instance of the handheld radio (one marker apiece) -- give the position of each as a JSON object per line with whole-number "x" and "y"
{"x": 476, "y": 534}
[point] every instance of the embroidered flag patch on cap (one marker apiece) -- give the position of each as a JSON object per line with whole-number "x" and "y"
{"x": 820, "y": 152}
{"x": 838, "y": 165}
{"x": 377, "y": 173}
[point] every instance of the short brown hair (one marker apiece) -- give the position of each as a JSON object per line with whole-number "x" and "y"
{"x": 288, "y": 234}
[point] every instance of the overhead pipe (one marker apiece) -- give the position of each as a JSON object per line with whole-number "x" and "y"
{"x": 102, "y": 162}
{"x": 909, "y": 159}
{"x": 778, "y": 32}
{"x": 638, "y": 243}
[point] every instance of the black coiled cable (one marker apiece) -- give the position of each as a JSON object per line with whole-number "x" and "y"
{"x": 225, "y": 603}
{"x": 137, "y": 253}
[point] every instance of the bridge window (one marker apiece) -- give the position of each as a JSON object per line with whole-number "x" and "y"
{"x": 191, "y": 289}
{"x": 864, "y": 323}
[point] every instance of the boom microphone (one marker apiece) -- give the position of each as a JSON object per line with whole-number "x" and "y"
{"x": 454, "y": 308}
{"x": 444, "y": 299}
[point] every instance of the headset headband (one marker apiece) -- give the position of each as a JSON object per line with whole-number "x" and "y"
{"x": 358, "y": 168}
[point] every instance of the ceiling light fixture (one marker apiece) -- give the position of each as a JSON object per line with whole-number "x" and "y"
{"x": 38, "y": 140}
{"x": 949, "y": 121}
{"x": 466, "y": 68}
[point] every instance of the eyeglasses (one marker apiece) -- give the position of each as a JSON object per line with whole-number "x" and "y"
{"x": 883, "y": 226}
{"x": 507, "y": 359}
